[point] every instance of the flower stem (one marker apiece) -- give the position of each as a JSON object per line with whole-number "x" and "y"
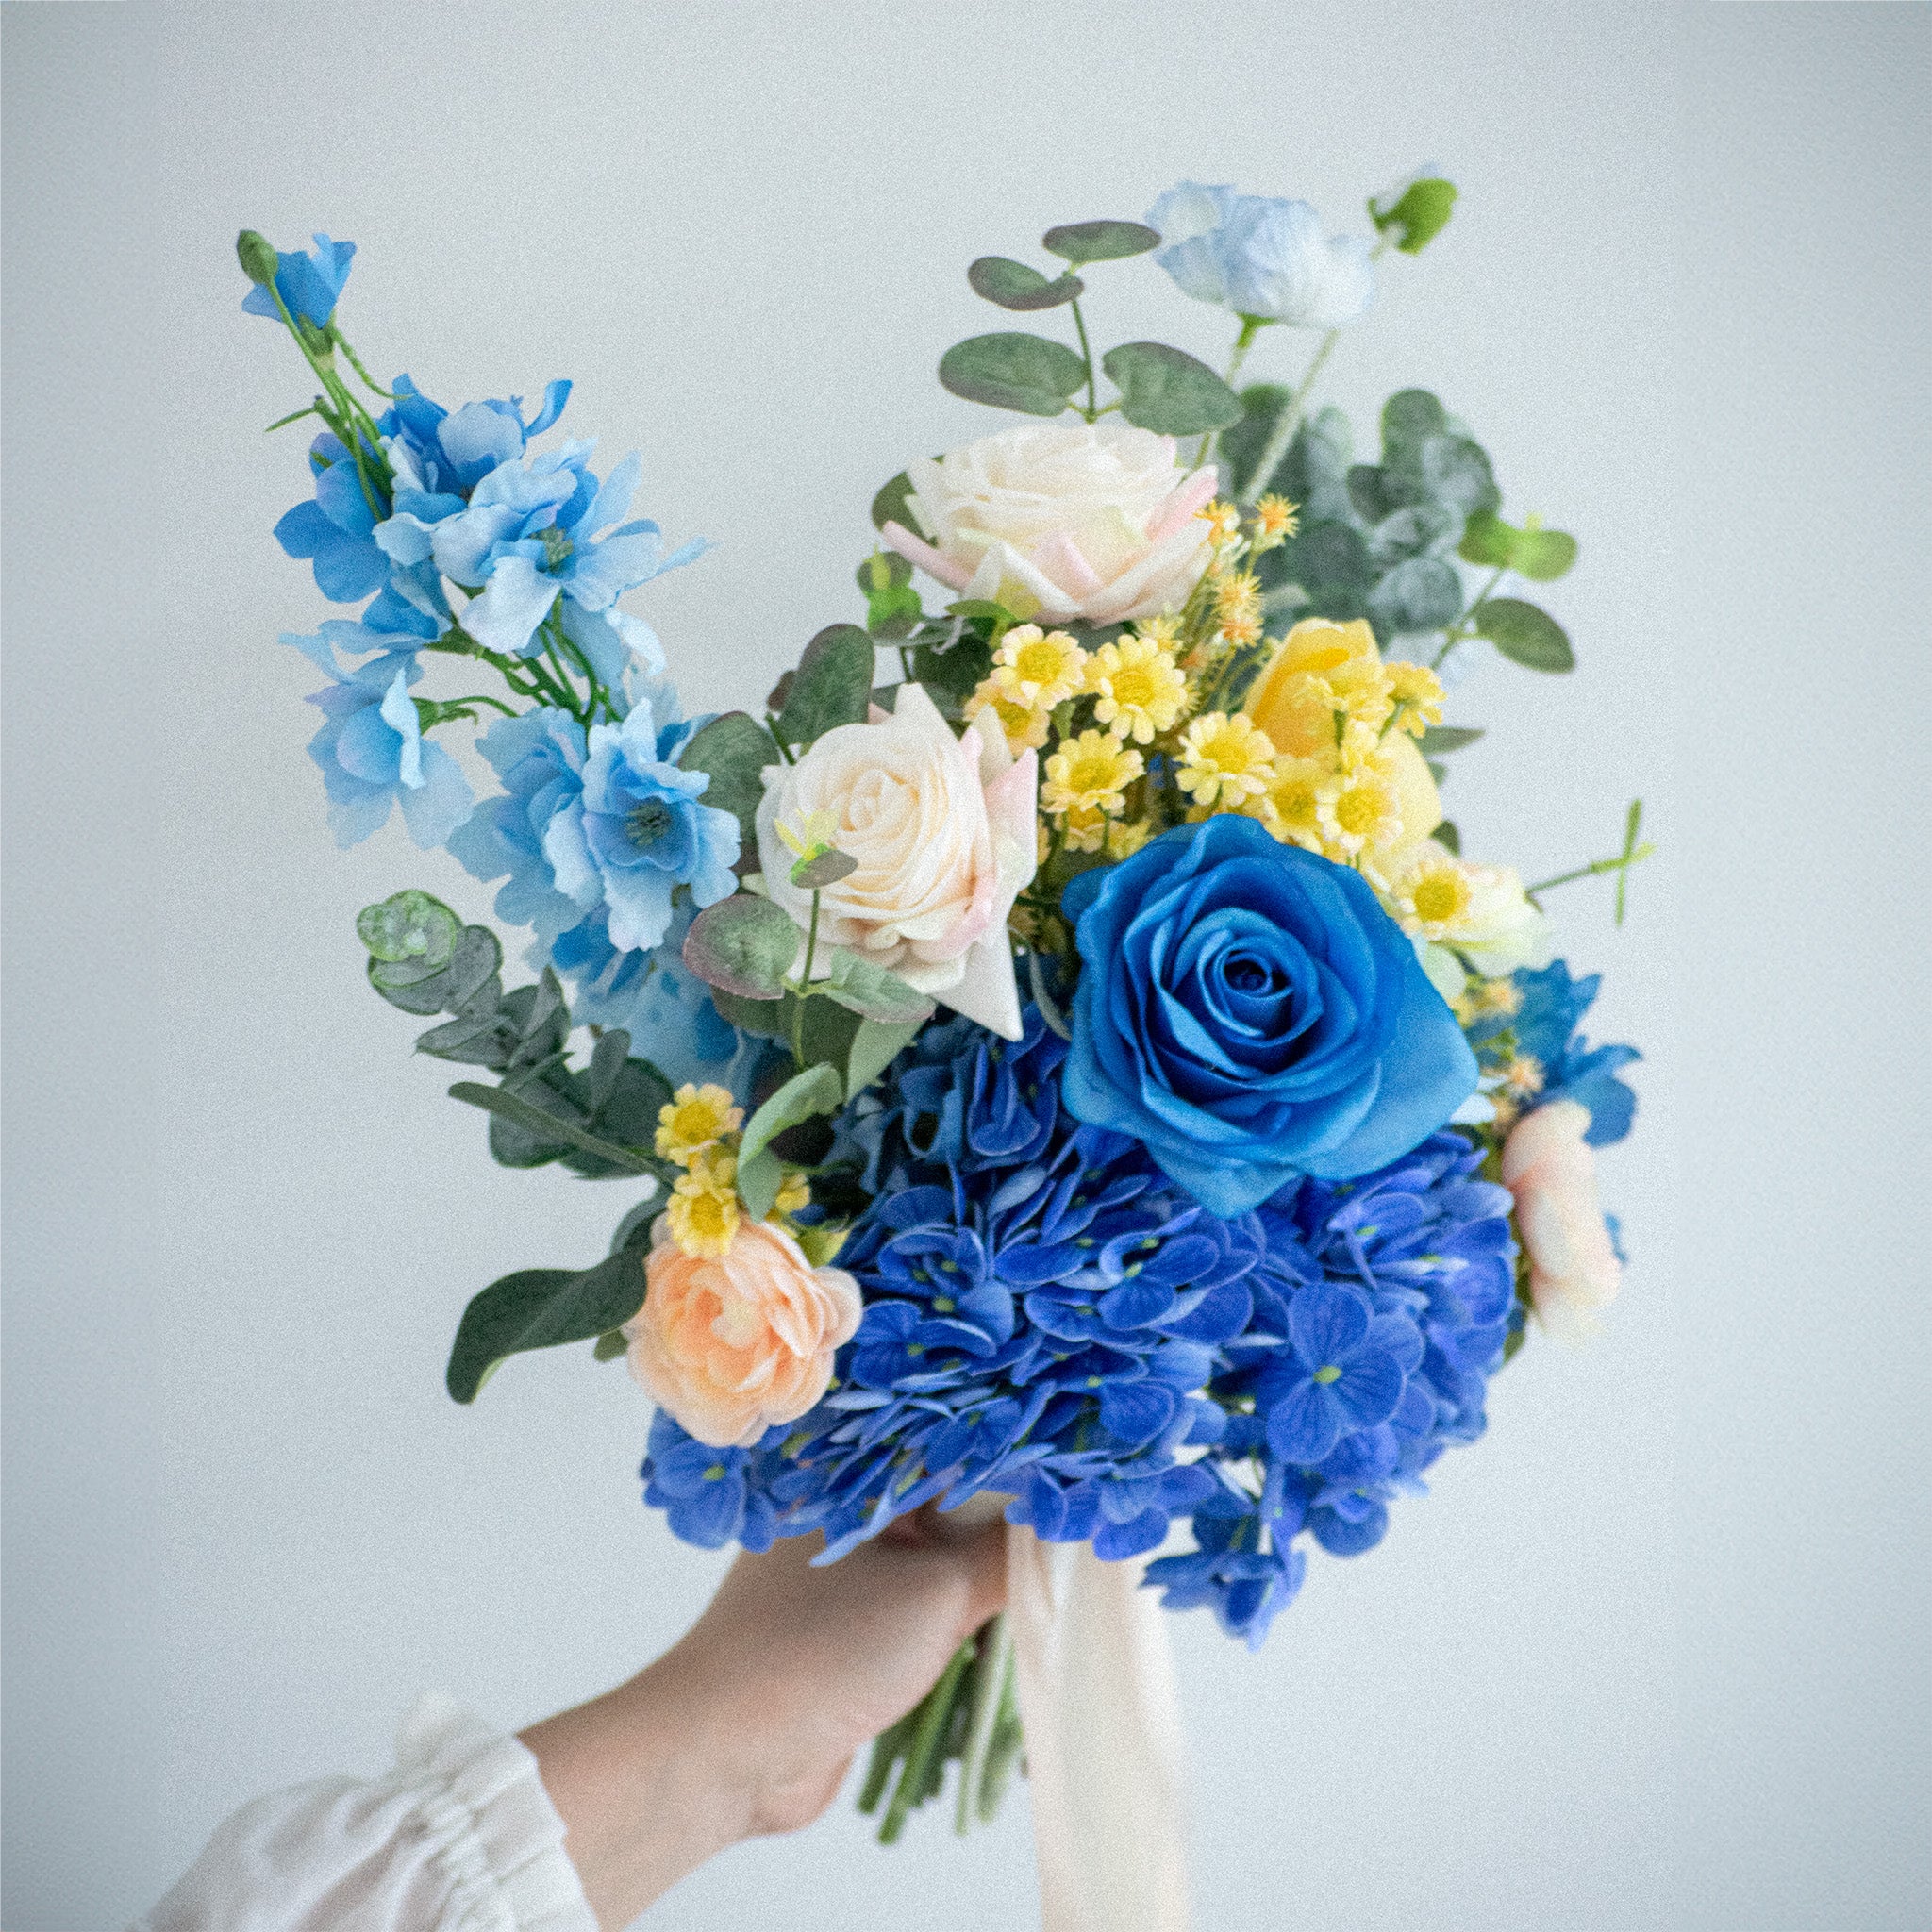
{"x": 1093, "y": 410}
{"x": 934, "y": 1714}
{"x": 1460, "y": 631}
{"x": 1251, "y": 327}
{"x": 990, "y": 1666}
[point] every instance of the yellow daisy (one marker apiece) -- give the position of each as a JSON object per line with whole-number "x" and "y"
{"x": 1026, "y": 728}
{"x": 1125, "y": 837}
{"x": 1523, "y": 1076}
{"x": 696, "y": 1118}
{"x": 1139, "y": 688}
{"x": 1037, "y": 668}
{"x": 1224, "y": 519}
{"x": 703, "y": 1212}
{"x": 1503, "y": 997}
{"x": 1363, "y": 811}
{"x": 1084, "y": 829}
{"x": 1432, "y": 895}
{"x": 1089, "y": 773}
{"x": 794, "y": 1191}
{"x": 1416, "y": 692}
{"x": 1290, "y": 807}
{"x": 1224, "y": 759}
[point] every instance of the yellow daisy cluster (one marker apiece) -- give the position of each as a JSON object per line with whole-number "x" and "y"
{"x": 1085, "y": 786}
{"x": 698, "y": 1130}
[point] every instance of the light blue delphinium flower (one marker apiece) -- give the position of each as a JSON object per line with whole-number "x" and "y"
{"x": 309, "y": 284}
{"x": 1546, "y": 1029}
{"x": 372, "y": 752}
{"x": 637, "y": 831}
{"x": 1261, "y": 256}
{"x": 527, "y": 535}
{"x": 332, "y": 530}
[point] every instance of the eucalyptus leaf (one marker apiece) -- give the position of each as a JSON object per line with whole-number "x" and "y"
{"x": 1543, "y": 555}
{"x": 733, "y": 750}
{"x": 404, "y": 987}
{"x": 542, "y": 1308}
{"x": 627, "y": 1114}
{"x": 1083, "y": 241}
{"x": 1168, "y": 391}
{"x": 609, "y": 1346}
{"x": 475, "y": 963}
{"x": 1487, "y": 540}
{"x": 831, "y": 686}
{"x": 745, "y": 944}
{"x": 607, "y": 1062}
{"x": 535, "y": 1121}
{"x": 409, "y": 927}
{"x": 1013, "y": 285}
{"x": 870, "y": 990}
{"x": 827, "y": 869}
{"x": 1525, "y": 634}
{"x": 765, "y": 1019}
{"x": 874, "y": 1047}
{"x": 817, "y": 1090}
{"x": 1013, "y": 371}
{"x": 1448, "y": 837}
{"x": 759, "y": 1181}
{"x": 892, "y": 504}
{"x": 1418, "y": 215}
{"x": 1439, "y": 739}
{"x": 1421, "y": 593}
{"x": 952, "y": 673}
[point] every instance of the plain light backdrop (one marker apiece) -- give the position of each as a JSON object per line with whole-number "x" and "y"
{"x": 1655, "y": 1654}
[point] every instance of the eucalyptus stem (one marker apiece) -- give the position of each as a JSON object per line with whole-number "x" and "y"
{"x": 1092, "y": 411}
{"x": 1459, "y": 632}
{"x": 1251, "y": 327}
{"x": 811, "y": 942}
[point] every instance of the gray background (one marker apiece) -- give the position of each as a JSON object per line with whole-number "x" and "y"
{"x": 1657, "y": 1654}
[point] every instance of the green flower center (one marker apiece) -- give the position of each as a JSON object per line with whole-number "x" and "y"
{"x": 1328, "y": 1372}
{"x": 557, "y": 546}
{"x": 648, "y": 823}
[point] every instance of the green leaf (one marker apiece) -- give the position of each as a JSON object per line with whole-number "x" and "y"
{"x": 1169, "y": 392}
{"x": 1523, "y": 634}
{"x": 952, "y": 673}
{"x": 874, "y": 1047}
{"x": 825, "y": 869}
{"x": 865, "y": 988}
{"x": 1085, "y": 242}
{"x": 475, "y": 963}
{"x": 892, "y": 504}
{"x": 612, "y": 1344}
{"x": 1439, "y": 739}
{"x": 1447, "y": 835}
{"x": 759, "y": 1181}
{"x": 745, "y": 944}
{"x": 542, "y": 1308}
{"x": 831, "y": 686}
{"x": 817, "y": 1090}
{"x": 1013, "y": 285}
{"x": 627, "y": 1114}
{"x": 408, "y": 987}
{"x": 766, "y": 1018}
{"x": 1409, "y": 418}
{"x": 1543, "y": 555}
{"x": 1417, "y": 215}
{"x": 734, "y": 750}
{"x": 1455, "y": 471}
{"x": 607, "y": 1062}
{"x": 1013, "y": 371}
{"x": 1421, "y": 593}
{"x": 1487, "y": 540}
{"x": 1243, "y": 442}
{"x": 410, "y": 929}
{"x": 535, "y": 1120}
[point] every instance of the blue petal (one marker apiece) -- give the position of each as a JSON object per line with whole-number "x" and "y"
{"x": 510, "y": 608}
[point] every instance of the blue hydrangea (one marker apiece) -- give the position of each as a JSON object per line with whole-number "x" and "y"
{"x": 1545, "y": 1029}
{"x": 707, "y": 1494}
{"x": 371, "y": 749}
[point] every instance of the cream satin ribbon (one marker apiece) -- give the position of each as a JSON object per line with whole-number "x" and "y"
{"x": 1095, "y": 1680}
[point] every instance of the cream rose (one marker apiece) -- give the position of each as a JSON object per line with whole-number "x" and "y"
{"x": 1549, "y": 1168}
{"x": 1094, "y": 521}
{"x": 732, "y": 1344}
{"x": 943, "y": 832}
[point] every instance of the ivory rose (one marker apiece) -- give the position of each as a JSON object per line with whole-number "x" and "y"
{"x": 943, "y": 832}
{"x": 731, "y": 1344}
{"x": 1093, "y": 521}
{"x": 1548, "y": 1167}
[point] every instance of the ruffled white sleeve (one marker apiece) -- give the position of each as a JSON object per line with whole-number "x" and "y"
{"x": 460, "y": 1837}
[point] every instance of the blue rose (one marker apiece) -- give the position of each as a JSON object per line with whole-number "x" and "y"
{"x": 1249, "y": 1012}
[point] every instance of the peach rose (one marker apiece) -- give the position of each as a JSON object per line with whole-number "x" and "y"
{"x": 1549, "y": 1168}
{"x": 733, "y": 1344}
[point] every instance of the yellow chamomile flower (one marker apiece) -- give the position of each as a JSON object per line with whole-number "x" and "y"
{"x": 1025, "y": 727}
{"x": 703, "y": 1212}
{"x": 1501, "y": 996}
{"x": 794, "y": 1191}
{"x": 1037, "y": 668}
{"x": 1223, "y": 760}
{"x": 1432, "y": 895}
{"x": 1089, "y": 774}
{"x": 1416, "y": 692}
{"x": 1275, "y": 522}
{"x": 1084, "y": 829}
{"x": 1163, "y": 632}
{"x": 1364, "y": 810}
{"x": 1137, "y": 686}
{"x": 1124, "y": 837}
{"x": 1238, "y": 608}
{"x": 1523, "y": 1076}
{"x": 1290, "y": 807}
{"x": 1224, "y": 521}
{"x": 697, "y": 1118}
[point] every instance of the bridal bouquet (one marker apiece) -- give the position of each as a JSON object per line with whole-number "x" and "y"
{"x": 1054, "y": 1047}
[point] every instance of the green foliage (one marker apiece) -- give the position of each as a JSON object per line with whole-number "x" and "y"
{"x": 542, "y": 1308}
{"x": 1083, "y": 241}
{"x": 952, "y": 670}
{"x": 817, "y": 1090}
{"x": 734, "y": 749}
{"x": 1418, "y": 215}
{"x": 1439, "y": 739}
{"x": 867, "y": 989}
{"x": 1448, "y": 836}
{"x": 875, "y": 1046}
{"x": 408, "y": 929}
{"x": 832, "y": 685}
{"x": 819, "y": 870}
{"x": 892, "y": 609}
{"x": 890, "y": 505}
{"x": 1525, "y": 634}
{"x": 1532, "y": 552}
{"x": 1013, "y": 371}
{"x": 1169, "y": 392}
{"x": 1013, "y": 285}
{"x": 744, "y": 945}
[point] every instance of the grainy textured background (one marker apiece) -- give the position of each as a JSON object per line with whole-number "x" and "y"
{"x": 1655, "y": 1656}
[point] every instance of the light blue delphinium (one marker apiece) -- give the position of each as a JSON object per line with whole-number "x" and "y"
{"x": 372, "y": 752}
{"x": 333, "y": 530}
{"x": 638, "y": 831}
{"x": 309, "y": 284}
{"x": 1260, "y": 257}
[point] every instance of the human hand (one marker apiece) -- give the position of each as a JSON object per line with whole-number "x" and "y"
{"x": 749, "y": 1722}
